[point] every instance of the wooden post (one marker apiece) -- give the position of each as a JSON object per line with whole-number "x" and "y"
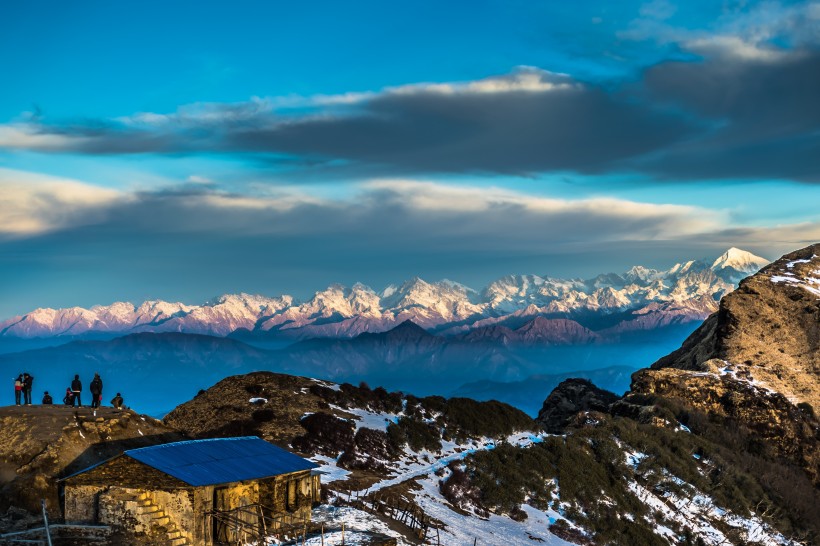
{"x": 323, "y": 534}
{"x": 343, "y": 533}
{"x": 263, "y": 524}
{"x": 45, "y": 522}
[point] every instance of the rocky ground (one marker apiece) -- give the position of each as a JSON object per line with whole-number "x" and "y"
{"x": 569, "y": 398}
{"x": 768, "y": 329}
{"x": 39, "y": 444}
{"x": 263, "y": 404}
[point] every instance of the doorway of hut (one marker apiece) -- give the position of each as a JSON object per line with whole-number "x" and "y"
{"x": 222, "y": 533}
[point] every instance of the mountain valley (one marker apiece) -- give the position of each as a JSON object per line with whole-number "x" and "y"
{"x": 704, "y": 448}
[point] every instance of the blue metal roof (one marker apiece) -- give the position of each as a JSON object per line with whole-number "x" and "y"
{"x": 220, "y": 460}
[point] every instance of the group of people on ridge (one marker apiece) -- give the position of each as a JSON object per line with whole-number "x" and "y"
{"x": 24, "y": 382}
{"x": 22, "y": 388}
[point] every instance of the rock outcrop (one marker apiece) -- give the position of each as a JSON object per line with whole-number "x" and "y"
{"x": 784, "y": 429}
{"x": 768, "y": 330}
{"x": 569, "y": 398}
{"x": 40, "y": 444}
{"x": 263, "y": 404}
{"x": 756, "y": 362}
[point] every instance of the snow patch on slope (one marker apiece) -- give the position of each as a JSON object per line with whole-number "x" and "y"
{"x": 809, "y": 281}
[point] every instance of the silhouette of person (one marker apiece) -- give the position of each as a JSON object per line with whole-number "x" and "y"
{"x": 96, "y": 389}
{"x": 47, "y": 399}
{"x": 76, "y": 390}
{"x": 28, "y": 383}
{"x": 18, "y": 389}
{"x": 117, "y": 401}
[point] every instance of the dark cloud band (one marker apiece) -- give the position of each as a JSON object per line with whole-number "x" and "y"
{"x": 722, "y": 117}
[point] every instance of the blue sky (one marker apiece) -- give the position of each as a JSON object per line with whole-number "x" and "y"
{"x": 180, "y": 150}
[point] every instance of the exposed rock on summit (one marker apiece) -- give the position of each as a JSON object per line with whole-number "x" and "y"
{"x": 768, "y": 330}
{"x": 569, "y": 398}
{"x": 756, "y": 362}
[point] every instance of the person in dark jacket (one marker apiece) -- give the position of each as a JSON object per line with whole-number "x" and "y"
{"x": 117, "y": 401}
{"x": 47, "y": 399}
{"x": 96, "y": 388}
{"x": 68, "y": 399}
{"x": 76, "y": 391}
{"x": 18, "y": 389}
{"x": 28, "y": 383}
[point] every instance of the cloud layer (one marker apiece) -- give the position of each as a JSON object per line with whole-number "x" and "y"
{"x": 194, "y": 242}
{"x": 32, "y": 204}
{"x": 744, "y": 110}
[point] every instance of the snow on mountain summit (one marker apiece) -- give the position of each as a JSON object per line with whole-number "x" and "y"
{"x": 340, "y": 311}
{"x": 740, "y": 260}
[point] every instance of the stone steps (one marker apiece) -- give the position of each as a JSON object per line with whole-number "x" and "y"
{"x": 159, "y": 519}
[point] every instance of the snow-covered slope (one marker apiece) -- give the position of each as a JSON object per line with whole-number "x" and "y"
{"x": 686, "y": 292}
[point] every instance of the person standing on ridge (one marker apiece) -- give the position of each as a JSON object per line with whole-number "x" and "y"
{"x": 76, "y": 390}
{"x": 18, "y": 389}
{"x": 28, "y": 382}
{"x": 96, "y": 388}
{"x": 47, "y": 399}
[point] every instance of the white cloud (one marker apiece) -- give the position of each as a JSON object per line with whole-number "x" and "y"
{"x": 523, "y": 78}
{"x": 662, "y": 220}
{"x": 750, "y": 33}
{"x": 736, "y": 48}
{"x": 33, "y": 203}
{"x": 25, "y": 136}
{"x": 204, "y": 113}
{"x": 198, "y": 179}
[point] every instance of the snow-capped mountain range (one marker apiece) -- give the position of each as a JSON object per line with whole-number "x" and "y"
{"x": 640, "y": 298}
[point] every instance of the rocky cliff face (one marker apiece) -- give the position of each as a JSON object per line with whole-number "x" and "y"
{"x": 777, "y": 427}
{"x": 768, "y": 330}
{"x": 756, "y": 362}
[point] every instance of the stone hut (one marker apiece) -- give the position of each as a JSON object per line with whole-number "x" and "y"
{"x": 196, "y": 493}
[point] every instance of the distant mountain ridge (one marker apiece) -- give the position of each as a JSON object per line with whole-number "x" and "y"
{"x": 647, "y": 298}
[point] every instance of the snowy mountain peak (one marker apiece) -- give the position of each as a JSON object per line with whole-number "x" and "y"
{"x": 739, "y": 260}
{"x": 389, "y": 291}
{"x": 339, "y": 311}
{"x": 456, "y": 286}
{"x": 642, "y": 274}
{"x": 360, "y": 287}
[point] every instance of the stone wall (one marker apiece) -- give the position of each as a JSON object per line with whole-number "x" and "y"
{"x": 126, "y": 472}
{"x": 289, "y": 497}
{"x": 81, "y": 503}
{"x": 93, "y": 498}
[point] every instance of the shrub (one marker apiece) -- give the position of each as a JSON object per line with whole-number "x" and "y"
{"x": 325, "y": 434}
{"x": 263, "y": 415}
{"x": 378, "y": 399}
{"x": 414, "y": 433}
{"x": 807, "y": 408}
{"x": 468, "y": 418}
